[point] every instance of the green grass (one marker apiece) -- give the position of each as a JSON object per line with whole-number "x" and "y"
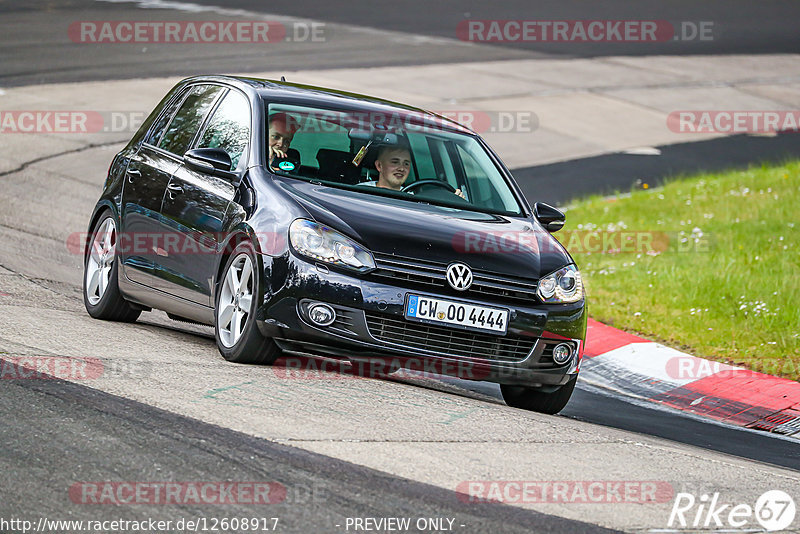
{"x": 723, "y": 284}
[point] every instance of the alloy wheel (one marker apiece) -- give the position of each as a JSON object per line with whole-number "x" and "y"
{"x": 235, "y": 299}
{"x": 101, "y": 260}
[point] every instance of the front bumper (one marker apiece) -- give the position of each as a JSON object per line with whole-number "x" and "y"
{"x": 371, "y": 331}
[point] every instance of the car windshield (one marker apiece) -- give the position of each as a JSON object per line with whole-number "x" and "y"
{"x": 406, "y": 155}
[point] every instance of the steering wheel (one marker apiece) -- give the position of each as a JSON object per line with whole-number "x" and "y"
{"x": 419, "y": 183}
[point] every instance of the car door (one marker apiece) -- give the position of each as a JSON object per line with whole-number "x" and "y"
{"x": 196, "y": 202}
{"x": 147, "y": 176}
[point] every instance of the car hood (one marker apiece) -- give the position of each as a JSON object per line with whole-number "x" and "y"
{"x": 514, "y": 246}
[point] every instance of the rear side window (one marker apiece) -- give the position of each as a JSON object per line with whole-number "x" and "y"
{"x": 160, "y": 124}
{"x": 229, "y": 128}
{"x": 187, "y": 121}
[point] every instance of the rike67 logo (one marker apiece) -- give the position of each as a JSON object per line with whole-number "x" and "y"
{"x": 773, "y": 511}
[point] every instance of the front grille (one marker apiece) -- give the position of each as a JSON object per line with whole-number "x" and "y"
{"x": 450, "y": 341}
{"x": 344, "y": 322}
{"x": 547, "y": 355}
{"x": 432, "y": 276}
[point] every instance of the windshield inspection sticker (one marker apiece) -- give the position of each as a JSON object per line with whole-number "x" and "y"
{"x": 286, "y": 166}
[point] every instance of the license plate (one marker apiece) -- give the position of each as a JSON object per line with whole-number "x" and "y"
{"x": 448, "y": 312}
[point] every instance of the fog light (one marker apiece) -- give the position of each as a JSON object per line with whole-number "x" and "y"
{"x": 562, "y": 353}
{"x": 321, "y": 314}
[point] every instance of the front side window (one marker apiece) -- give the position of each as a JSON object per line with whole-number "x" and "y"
{"x": 405, "y": 155}
{"x": 229, "y": 127}
{"x": 187, "y": 121}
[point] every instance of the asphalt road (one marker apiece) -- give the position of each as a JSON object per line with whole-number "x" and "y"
{"x": 736, "y": 26}
{"x": 54, "y": 430}
{"x": 603, "y": 408}
{"x": 37, "y": 47}
{"x": 559, "y": 183}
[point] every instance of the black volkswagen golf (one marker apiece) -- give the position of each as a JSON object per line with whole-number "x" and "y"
{"x": 302, "y": 220}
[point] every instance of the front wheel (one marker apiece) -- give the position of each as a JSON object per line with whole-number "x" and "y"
{"x": 537, "y": 400}
{"x": 238, "y": 337}
{"x": 101, "y": 294}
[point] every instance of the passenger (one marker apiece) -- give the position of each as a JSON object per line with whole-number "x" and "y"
{"x": 282, "y": 128}
{"x": 394, "y": 163}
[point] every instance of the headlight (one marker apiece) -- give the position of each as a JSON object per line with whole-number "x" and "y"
{"x": 323, "y": 244}
{"x": 562, "y": 286}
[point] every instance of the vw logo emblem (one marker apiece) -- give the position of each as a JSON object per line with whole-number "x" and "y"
{"x": 459, "y": 276}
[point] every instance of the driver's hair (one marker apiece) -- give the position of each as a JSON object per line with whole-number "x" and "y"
{"x": 383, "y": 149}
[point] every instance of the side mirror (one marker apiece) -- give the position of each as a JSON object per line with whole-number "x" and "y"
{"x": 551, "y": 218}
{"x": 211, "y": 160}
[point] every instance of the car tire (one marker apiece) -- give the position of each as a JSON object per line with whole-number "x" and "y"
{"x": 238, "y": 337}
{"x": 536, "y": 400}
{"x": 101, "y": 294}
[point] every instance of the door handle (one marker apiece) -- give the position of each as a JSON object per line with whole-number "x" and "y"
{"x": 133, "y": 172}
{"x": 173, "y": 190}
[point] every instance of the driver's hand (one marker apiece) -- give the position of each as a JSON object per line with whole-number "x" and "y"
{"x": 275, "y": 153}
{"x": 460, "y": 193}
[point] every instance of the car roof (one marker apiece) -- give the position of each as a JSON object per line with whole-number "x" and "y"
{"x": 282, "y": 91}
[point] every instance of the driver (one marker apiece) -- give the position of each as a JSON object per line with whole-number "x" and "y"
{"x": 394, "y": 163}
